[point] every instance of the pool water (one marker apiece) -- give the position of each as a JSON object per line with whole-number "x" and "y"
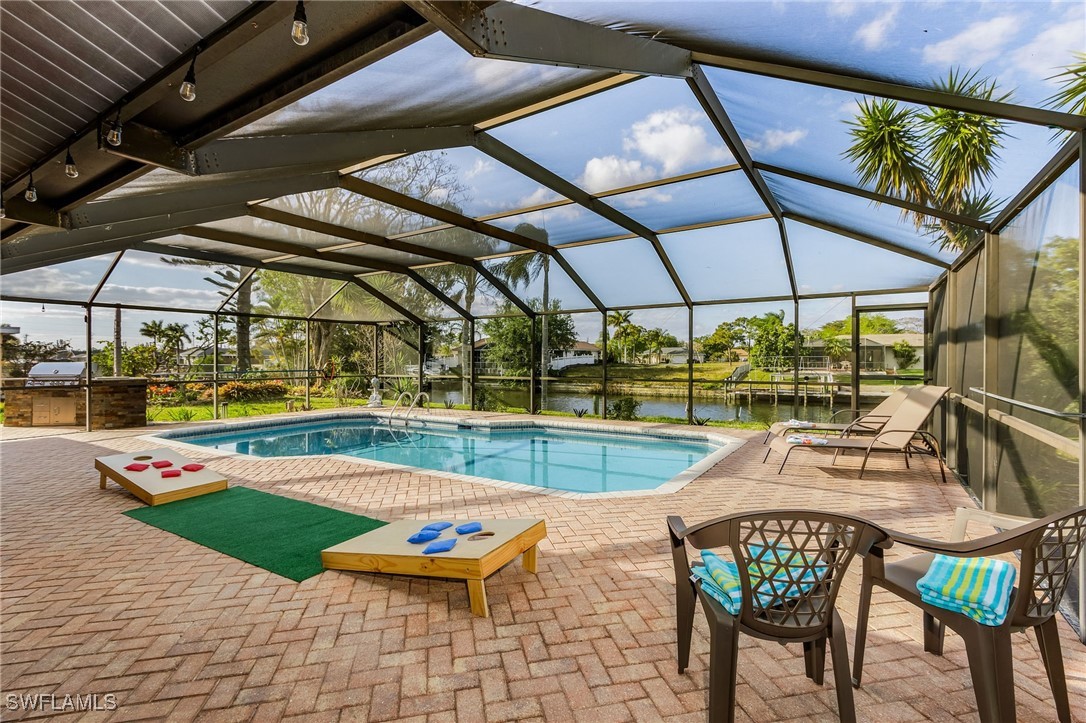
{"x": 569, "y": 460}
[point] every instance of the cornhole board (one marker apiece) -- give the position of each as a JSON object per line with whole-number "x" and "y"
{"x": 149, "y": 485}
{"x": 474, "y": 558}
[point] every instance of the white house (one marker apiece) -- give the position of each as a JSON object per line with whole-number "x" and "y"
{"x": 583, "y": 352}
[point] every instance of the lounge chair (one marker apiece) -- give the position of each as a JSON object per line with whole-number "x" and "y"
{"x": 1049, "y": 549}
{"x": 897, "y": 435}
{"x": 788, "y": 567}
{"x": 870, "y": 422}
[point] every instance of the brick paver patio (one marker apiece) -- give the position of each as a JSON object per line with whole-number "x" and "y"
{"x": 95, "y": 602}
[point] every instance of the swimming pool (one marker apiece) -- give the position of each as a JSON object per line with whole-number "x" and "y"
{"x": 582, "y": 460}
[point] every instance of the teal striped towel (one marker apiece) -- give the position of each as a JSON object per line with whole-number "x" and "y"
{"x": 977, "y": 587}
{"x": 775, "y": 573}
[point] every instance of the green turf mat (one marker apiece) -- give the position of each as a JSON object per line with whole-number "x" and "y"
{"x": 276, "y": 533}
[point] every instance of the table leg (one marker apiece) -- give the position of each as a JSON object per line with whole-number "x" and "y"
{"x": 531, "y": 555}
{"x": 102, "y": 480}
{"x": 477, "y": 597}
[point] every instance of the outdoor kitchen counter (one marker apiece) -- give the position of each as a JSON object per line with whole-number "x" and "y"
{"x": 116, "y": 403}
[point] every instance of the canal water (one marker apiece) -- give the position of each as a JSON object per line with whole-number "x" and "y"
{"x": 715, "y": 408}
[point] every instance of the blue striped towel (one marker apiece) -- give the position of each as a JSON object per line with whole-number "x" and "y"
{"x": 977, "y": 587}
{"x": 775, "y": 573}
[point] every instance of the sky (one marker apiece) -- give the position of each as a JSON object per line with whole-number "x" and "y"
{"x": 652, "y": 129}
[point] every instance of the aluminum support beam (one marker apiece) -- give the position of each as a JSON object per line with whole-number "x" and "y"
{"x": 291, "y": 219}
{"x": 394, "y": 198}
{"x": 327, "y": 301}
{"x": 869, "y": 240}
{"x": 876, "y": 197}
{"x": 518, "y": 162}
{"x": 328, "y": 151}
{"x": 1065, "y": 156}
{"x": 39, "y": 213}
{"x": 32, "y": 252}
{"x": 710, "y": 103}
{"x": 897, "y": 91}
{"x": 200, "y": 197}
{"x": 516, "y": 32}
{"x": 1081, "y": 141}
{"x": 388, "y": 301}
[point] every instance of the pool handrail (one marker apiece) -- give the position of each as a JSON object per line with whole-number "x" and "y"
{"x": 420, "y": 395}
{"x": 396, "y": 406}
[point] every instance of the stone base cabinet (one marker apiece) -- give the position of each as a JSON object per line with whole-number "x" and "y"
{"x": 116, "y": 403}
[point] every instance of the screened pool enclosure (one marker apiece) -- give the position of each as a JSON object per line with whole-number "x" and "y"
{"x": 427, "y": 183}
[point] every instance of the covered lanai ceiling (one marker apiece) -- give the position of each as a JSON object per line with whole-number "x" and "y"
{"x": 655, "y": 154}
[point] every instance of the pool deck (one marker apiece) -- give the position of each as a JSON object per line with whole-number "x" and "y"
{"x": 94, "y": 602}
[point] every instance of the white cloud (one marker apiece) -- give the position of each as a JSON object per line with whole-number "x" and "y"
{"x": 539, "y": 196}
{"x": 481, "y": 166}
{"x": 775, "y": 139}
{"x": 675, "y": 138}
{"x": 1051, "y": 49}
{"x": 872, "y": 35}
{"x": 602, "y": 174}
{"x": 840, "y": 8}
{"x": 644, "y": 197}
{"x": 977, "y": 44}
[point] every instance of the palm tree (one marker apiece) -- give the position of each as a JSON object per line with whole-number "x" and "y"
{"x": 620, "y": 320}
{"x": 521, "y": 270}
{"x": 934, "y": 156}
{"x": 836, "y": 348}
{"x": 173, "y": 337}
{"x": 1071, "y": 96}
{"x": 153, "y": 330}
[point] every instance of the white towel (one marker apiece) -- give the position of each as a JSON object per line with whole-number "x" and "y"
{"x": 799, "y": 424}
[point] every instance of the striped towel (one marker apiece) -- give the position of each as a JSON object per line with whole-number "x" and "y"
{"x": 799, "y": 424}
{"x": 775, "y": 573}
{"x": 977, "y": 587}
{"x": 806, "y": 439}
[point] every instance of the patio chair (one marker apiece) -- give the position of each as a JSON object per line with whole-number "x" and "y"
{"x": 897, "y": 435}
{"x": 1048, "y": 550}
{"x": 787, "y": 568}
{"x": 870, "y": 422}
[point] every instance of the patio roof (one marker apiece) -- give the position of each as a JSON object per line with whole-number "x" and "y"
{"x": 293, "y": 158}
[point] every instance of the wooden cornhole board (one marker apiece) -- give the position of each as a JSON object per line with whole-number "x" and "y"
{"x": 149, "y": 485}
{"x": 387, "y": 550}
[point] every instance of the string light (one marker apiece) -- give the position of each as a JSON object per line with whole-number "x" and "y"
{"x": 69, "y": 166}
{"x": 31, "y": 194}
{"x": 299, "y": 31}
{"x": 113, "y": 137}
{"x": 188, "y": 86}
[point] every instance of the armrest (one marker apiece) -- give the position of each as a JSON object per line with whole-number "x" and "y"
{"x": 842, "y": 411}
{"x": 964, "y": 515}
{"x": 677, "y": 526}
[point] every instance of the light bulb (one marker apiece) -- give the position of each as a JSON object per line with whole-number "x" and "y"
{"x": 113, "y": 137}
{"x": 188, "y": 86}
{"x": 31, "y": 194}
{"x": 69, "y": 166}
{"x": 299, "y": 31}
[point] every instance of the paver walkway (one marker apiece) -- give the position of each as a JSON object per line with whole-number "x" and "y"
{"x": 94, "y": 602}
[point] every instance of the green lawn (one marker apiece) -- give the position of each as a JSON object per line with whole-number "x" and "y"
{"x": 650, "y": 372}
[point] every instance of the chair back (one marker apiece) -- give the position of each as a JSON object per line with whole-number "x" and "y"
{"x": 911, "y": 415}
{"x": 1050, "y": 549}
{"x": 890, "y": 404}
{"x": 790, "y": 564}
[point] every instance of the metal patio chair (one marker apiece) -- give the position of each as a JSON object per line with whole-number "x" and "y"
{"x": 899, "y": 434}
{"x": 789, "y": 565}
{"x": 1048, "y": 550}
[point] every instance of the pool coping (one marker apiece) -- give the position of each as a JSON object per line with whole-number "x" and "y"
{"x": 726, "y": 444}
